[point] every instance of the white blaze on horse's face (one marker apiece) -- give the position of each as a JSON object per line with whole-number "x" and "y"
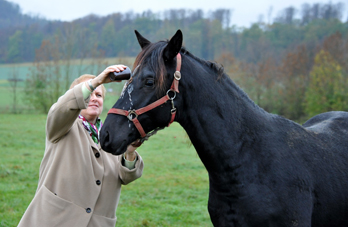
{"x": 123, "y": 90}
{"x": 126, "y": 85}
{"x": 130, "y": 89}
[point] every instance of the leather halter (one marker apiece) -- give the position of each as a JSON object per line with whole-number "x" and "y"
{"x": 132, "y": 115}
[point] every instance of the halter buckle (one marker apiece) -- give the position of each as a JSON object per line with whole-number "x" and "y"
{"x": 132, "y": 114}
{"x": 177, "y": 75}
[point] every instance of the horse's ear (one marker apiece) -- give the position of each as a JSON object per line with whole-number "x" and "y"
{"x": 141, "y": 40}
{"x": 173, "y": 47}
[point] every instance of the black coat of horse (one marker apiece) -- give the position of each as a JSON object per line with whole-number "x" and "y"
{"x": 264, "y": 170}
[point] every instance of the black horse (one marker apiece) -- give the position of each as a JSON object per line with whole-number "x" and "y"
{"x": 264, "y": 170}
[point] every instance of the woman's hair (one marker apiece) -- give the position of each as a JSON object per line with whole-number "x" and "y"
{"x": 86, "y": 77}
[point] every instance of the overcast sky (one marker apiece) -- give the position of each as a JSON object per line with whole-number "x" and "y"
{"x": 244, "y": 12}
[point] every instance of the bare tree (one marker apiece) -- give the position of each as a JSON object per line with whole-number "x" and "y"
{"x": 269, "y": 14}
{"x": 330, "y": 11}
{"x": 222, "y": 15}
{"x": 58, "y": 62}
{"x": 306, "y": 14}
{"x": 13, "y": 78}
{"x": 287, "y": 16}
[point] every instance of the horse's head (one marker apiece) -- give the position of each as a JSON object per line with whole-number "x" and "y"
{"x": 147, "y": 100}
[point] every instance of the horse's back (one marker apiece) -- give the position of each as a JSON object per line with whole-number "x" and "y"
{"x": 332, "y": 124}
{"x": 329, "y": 138}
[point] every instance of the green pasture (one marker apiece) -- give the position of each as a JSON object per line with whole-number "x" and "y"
{"x": 173, "y": 190}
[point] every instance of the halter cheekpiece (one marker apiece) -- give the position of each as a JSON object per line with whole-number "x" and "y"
{"x": 132, "y": 115}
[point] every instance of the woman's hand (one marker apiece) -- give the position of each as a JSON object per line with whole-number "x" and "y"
{"x": 130, "y": 154}
{"x": 103, "y": 77}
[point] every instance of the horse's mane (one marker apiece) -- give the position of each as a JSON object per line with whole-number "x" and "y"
{"x": 152, "y": 55}
{"x": 220, "y": 73}
{"x": 218, "y": 68}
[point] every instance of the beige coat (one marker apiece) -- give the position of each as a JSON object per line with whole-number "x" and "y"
{"x": 79, "y": 183}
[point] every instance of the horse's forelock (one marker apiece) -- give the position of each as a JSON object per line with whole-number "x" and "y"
{"x": 151, "y": 56}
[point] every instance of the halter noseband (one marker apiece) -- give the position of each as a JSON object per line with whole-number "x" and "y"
{"x": 132, "y": 115}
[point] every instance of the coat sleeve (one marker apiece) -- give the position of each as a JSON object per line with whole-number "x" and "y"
{"x": 64, "y": 112}
{"x": 126, "y": 175}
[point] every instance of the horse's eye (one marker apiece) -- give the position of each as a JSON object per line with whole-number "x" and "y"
{"x": 149, "y": 82}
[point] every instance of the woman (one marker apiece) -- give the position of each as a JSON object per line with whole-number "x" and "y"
{"x": 79, "y": 183}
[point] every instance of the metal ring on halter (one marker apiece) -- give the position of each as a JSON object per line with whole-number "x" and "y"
{"x": 177, "y": 75}
{"x": 171, "y": 98}
{"x": 132, "y": 115}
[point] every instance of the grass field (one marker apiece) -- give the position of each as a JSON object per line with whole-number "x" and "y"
{"x": 173, "y": 190}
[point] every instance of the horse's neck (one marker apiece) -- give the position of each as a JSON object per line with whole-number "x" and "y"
{"x": 217, "y": 118}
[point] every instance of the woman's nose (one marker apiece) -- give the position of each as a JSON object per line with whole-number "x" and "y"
{"x": 93, "y": 97}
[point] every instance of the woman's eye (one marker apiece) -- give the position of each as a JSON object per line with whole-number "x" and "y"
{"x": 149, "y": 82}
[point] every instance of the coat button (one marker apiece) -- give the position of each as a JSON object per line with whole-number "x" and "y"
{"x": 97, "y": 155}
{"x": 88, "y": 210}
{"x": 98, "y": 182}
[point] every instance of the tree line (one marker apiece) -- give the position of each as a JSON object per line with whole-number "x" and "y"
{"x": 306, "y": 81}
{"x": 207, "y": 34}
{"x": 289, "y": 66}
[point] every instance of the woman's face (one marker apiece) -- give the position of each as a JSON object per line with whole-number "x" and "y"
{"x": 95, "y": 106}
